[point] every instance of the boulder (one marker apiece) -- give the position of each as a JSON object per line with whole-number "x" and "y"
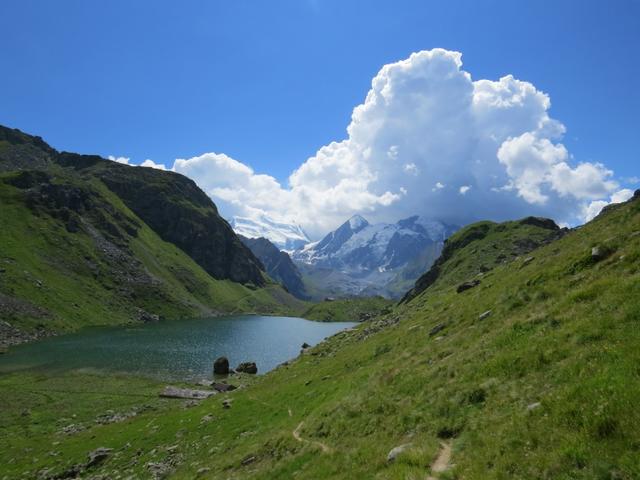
{"x": 527, "y": 261}
{"x": 438, "y": 328}
{"x": 395, "y": 452}
{"x": 247, "y": 367}
{"x": 598, "y": 253}
{"x": 223, "y": 387}
{"x": 221, "y": 366}
{"x": 467, "y": 285}
{"x": 98, "y": 456}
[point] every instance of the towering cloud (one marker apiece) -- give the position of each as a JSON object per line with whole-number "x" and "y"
{"x": 427, "y": 140}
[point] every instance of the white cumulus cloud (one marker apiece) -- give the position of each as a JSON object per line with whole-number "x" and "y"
{"x": 594, "y": 208}
{"x": 425, "y": 123}
{"x": 150, "y": 163}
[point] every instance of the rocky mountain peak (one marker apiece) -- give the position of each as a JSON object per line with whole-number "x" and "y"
{"x": 357, "y": 223}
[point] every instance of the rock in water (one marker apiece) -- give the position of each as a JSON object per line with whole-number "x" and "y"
{"x": 395, "y": 452}
{"x": 247, "y": 367}
{"x": 221, "y": 366}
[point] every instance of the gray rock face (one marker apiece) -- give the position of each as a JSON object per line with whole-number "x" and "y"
{"x": 247, "y": 367}
{"x": 221, "y": 366}
{"x": 278, "y": 265}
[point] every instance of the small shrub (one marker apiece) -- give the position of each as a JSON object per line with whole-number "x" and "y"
{"x": 477, "y": 396}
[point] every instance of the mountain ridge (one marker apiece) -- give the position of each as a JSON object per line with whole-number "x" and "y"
{"x": 278, "y": 265}
{"x": 84, "y": 242}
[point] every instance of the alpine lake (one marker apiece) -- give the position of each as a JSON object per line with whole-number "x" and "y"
{"x": 181, "y": 350}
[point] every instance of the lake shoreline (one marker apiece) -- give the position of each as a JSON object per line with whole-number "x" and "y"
{"x": 172, "y": 350}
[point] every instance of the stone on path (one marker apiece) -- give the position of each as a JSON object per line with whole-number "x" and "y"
{"x": 186, "y": 393}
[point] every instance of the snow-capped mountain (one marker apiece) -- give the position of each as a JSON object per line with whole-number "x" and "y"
{"x": 361, "y": 258}
{"x": 285, "y": 236}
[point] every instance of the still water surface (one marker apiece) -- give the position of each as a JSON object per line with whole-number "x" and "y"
{"x": 177, "y": 350}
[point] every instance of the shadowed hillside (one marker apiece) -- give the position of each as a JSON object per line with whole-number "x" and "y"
{"x": 89, "y": 241}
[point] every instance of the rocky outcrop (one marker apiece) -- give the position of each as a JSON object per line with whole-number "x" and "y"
{"x": 278, "y": 265}
{"x": 182, "y": 214}
{"x": 19, "y": 151}
{"x": 467, "y": 285}
{"x": 170, "y": 203}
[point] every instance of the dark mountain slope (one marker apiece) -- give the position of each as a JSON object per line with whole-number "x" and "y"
{"x": 170, "y": 203}
{"x": 182, "y": 214}
{"x": 73, "y": 253}
{"x": 278, "y": 265}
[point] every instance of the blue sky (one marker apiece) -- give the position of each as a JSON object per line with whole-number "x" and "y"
{"x": 268, "y": 83}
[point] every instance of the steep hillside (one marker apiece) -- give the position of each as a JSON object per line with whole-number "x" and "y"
{"x": 278, "y": 265}
{"x": 532, "y": 373}
{"x": 102, "y": 243}
{"x": 480, "y": 247}
{"x": 179, "y": 212}
{"x": 357, "y": 309}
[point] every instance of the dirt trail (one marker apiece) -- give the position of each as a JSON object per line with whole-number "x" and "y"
{"x": 296, "y": 435}
{"x": 441, "y": 463}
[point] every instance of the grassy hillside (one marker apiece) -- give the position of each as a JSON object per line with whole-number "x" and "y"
{"x": 544, "y": 386}
{"x": 348, "y": 309}
{"x": 72, "y": 254}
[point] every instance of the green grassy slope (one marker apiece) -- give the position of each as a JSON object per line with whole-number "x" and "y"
{"x": 545, "y": 386}
{"x": 348, "y": 309}
{"x": 56, "y": 277}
